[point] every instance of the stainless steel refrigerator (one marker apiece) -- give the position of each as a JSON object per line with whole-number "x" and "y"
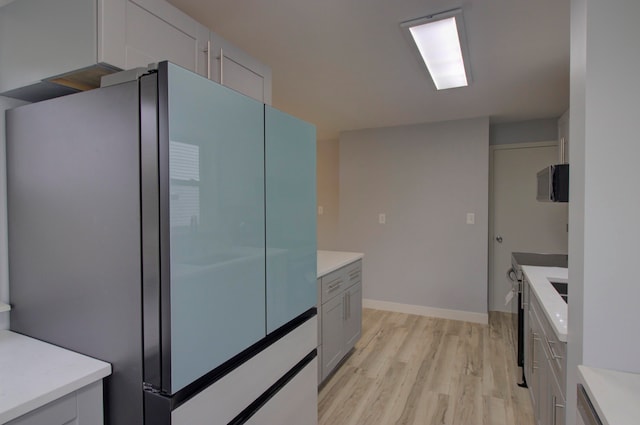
{"x": 165, "y": 225}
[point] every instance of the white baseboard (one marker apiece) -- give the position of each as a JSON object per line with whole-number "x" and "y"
{"x": 465, "y": 316}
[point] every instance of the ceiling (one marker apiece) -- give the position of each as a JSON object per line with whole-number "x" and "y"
{"x": 346, "y": 65}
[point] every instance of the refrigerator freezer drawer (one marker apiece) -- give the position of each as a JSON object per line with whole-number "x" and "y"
{"x": 225, "y": 399}
{"x": 295, "y": 404}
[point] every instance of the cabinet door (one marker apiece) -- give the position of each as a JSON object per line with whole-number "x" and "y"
{"x": 290, "y": 158}
{"x": 544, "y": 403}
{"x": 232, "y": 67}
{"x": 353, "y": 321}
{"x": 145, "y": 31}
{"x": 333, "y": 313}
{"x": 40, "y": 39}
{"x": 43, "y": 38}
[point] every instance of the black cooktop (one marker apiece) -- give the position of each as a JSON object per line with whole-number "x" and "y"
{"x": 541, "y": 260}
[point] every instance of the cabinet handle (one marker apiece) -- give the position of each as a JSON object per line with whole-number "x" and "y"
{"x": 344, "y": 307}
{"x": 209, "y": 59}
{"x": 349, "y": 305}
{"x": 334, "y": 285}
{"x": 553, "y": 353}
{"x": 554, "y": 403}
{"x": 534, "y": 338}
{"x": 221, "y": 67}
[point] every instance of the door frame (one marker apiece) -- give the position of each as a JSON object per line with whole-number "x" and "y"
{"x": 492, "y": 150}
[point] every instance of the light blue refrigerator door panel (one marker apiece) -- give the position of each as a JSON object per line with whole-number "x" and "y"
{"x": 290, "y": 168}
{"x": 217, "y": 228}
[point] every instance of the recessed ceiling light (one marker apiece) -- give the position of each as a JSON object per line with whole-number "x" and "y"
{"x": 440, "y": 40}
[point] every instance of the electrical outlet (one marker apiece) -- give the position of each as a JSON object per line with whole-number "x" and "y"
{"x": 471, "y": 218}
{"x": 320, "y": 210}
{"x": 382, "y": 218}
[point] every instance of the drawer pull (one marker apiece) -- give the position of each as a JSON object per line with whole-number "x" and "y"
{"x": 334, "y": 285}
{"x": 553, "y": 353}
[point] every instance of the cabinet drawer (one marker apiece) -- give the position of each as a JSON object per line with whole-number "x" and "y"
{"x": 353, "y": 273}
{"x": 333, "y": 284}
{"x": 296, "y": 403}
{"x": 58, "y": 412}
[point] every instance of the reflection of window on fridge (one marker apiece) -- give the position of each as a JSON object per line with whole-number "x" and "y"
{"x": 184, "y": 172}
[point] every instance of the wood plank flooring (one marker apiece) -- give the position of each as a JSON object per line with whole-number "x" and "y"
{"x": 409, "y": 369}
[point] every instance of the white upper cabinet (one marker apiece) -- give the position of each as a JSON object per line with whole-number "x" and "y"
{"x": 52, "y": 40}
{"x": 153, "y": 30}
{"x": 235, "y": 69}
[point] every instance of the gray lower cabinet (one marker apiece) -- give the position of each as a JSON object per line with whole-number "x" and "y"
{"x": 341, "y": 316}
{"x": 545, "y": 364}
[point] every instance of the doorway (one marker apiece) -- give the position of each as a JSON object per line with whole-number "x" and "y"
{"x": 518, "y": 222}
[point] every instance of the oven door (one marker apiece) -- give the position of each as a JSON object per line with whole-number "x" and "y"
{"x": 516, "y": 281}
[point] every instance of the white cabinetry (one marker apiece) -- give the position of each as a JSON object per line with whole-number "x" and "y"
{"x": 42, "y": 384}
{"x": 234, "y": 68}
{"x": 341, "y": 306}
{"x": 72, "y": 43}
{"x": 82, "y": 407}
{"x": 52, "y": 48}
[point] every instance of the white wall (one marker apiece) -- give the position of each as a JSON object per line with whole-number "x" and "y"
{"x": 425, "y": 178}
{"x": 327, "y": 175}
{"x": 604, "y": 207}
{"x": 5, "y": 103}
{"x": 542, "y": 130}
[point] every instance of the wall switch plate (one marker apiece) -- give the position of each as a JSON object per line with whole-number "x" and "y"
{"x": 471, "y": 218}
{"x": 382, "y": 218}
{"x": 320, "y": 210}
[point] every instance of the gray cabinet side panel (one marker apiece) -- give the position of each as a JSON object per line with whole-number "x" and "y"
{"x": 74, "y": 232}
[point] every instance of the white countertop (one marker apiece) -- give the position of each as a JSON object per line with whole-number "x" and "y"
{"x": 34, "y": 373}
{"x": 614, "y": 395}
{"x": 329, "y": 261}
{"x": 552, "y": 303}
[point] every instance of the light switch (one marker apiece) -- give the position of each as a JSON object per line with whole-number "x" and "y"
{"x": 320, "y": 210}
{"x": 382, "y": 218}
{"x": 471, "y": 218}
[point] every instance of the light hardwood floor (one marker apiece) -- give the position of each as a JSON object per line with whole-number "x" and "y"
{"x": 409, "y": 369}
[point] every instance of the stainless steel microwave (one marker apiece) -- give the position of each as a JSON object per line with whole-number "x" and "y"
{"x": 553, "y": 183}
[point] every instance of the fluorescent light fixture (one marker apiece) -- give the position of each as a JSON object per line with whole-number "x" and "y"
{"x": 440, "y": 41}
